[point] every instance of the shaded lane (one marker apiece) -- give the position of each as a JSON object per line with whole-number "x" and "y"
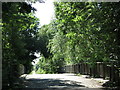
{"x": 59, "y": 81}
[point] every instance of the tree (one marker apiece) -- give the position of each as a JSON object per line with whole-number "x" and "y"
{"x": 19, "y": 33}
{"x": 84, "y": 34}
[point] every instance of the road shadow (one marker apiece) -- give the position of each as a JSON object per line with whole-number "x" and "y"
{"x": 112, "y": 85}
{"x": 50, "y": 83}
{"x": 55, "y": 84}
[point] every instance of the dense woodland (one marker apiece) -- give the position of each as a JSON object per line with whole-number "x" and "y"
{"x": 82, "y": 32}
{"x": 19, "y": 36}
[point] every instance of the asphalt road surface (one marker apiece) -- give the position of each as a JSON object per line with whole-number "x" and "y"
{"x": 60, "y": 82}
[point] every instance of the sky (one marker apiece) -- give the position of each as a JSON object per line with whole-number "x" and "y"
{"x": 45, "y": 11}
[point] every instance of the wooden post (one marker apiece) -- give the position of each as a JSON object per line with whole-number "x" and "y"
{"x": 78, "y": 68}
{"x": 112, "y": 74}
{"x": 104, "y": 67}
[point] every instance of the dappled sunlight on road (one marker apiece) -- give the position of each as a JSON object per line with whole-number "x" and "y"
{"x": 59, "y": 81}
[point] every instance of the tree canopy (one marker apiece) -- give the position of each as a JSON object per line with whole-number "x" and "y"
{"x": 84, "y": 32}
{"x": 19, "y": 37}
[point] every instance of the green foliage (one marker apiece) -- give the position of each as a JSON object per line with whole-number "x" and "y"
{"x": 87, "y": 29}
{"x": 82, "y": 32}
{"x": 47, "y": 64}
{"x": 44, "y": 66}
{"x": 19, "y": 37}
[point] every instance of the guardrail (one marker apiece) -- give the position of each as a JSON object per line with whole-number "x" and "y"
{"x": 99, "y": 69}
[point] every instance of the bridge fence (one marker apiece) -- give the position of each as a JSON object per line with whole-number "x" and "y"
{"x": 99, "y": 69}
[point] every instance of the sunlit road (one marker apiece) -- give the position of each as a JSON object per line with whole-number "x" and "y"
{"x": 60, "y": 81}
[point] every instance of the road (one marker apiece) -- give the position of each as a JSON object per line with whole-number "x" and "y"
{"x": 60, "y": 81}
